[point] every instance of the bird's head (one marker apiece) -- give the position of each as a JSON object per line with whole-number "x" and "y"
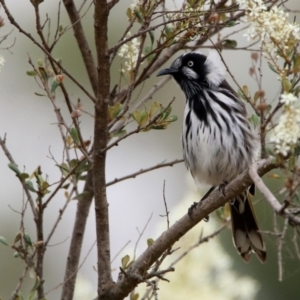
{"x": 194, "y": 67}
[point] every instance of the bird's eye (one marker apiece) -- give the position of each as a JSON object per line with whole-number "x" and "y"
{"x": 190, "y": 63}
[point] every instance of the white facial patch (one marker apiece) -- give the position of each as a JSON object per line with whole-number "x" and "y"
{"x": 189, "y": 73}
{"x": 177, "y": 63}
{"x": 215, "y": 68}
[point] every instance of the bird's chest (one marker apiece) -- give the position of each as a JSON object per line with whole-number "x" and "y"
{"x": 204, "y": 150}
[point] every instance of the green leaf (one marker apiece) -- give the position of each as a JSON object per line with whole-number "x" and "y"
{"x": 137, "y": 116}
{"x": 3, "y": 241}
{"x": 43, "y": 73}
{"x": 272, "y": 68}
{"x": 151, "y": 34}
{"x": 40, "y": 95}
{"x": 16, "y": 254}
{"x": 231, "y": 23}
{"x": 138, "y": 15}
{"x": 34, "y": 289}
{"x": 129, "y": 13}
{"x": 254, "y": 119}
{"x": 166, "y": 112}
{"x": 125, "y": 261}
{"x": 144, "y": 118}
{"x": 154, "y": 107}
{"x": 229, "y": 44}
{"x": 81, "y": 196}
{"x": 74, "y": 135}
{"x": 150, "y": 242}
{"x": 27, "y": 240}
{"x": 54, "y": 85}
{"x": 23, "y": 176}
{"x": 148, "y": 49}
{"x": 64, "y": 169}
{"x": 73, "y": 163}
{"x": 31, "y": 73}
{"x": 172, "y": 119}
{"x": 84, "y": 166}
{"x": 286, "y": 84}
{"x": 14, "y": 167}
{"x": 30, "y": 186}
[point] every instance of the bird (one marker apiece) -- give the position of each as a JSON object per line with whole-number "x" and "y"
{"x": 218, "y": 141}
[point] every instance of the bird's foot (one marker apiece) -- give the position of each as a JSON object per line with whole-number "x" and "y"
{"x": 191, "y": 209}
{"x": 222, "y": 187}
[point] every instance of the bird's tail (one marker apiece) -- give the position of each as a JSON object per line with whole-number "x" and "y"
{"x": 246, "y": 235}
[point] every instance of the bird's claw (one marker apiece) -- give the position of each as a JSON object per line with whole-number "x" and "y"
{"x": 191, "y": 209}
{"x": 222, "y": 187}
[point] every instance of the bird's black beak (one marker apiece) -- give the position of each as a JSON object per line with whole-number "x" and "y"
{"x": 168, "y": 71}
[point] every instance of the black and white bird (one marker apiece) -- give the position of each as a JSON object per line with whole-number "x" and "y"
{"x": 218, "y": 141}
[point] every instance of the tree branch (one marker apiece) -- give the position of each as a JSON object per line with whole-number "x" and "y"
{"x": 126, "y": 284}
{"x": 83, "y": 46}
{"x": 100, "y": 142}
{"x": 82, "y": 212}
{"x": 278, "y": 208}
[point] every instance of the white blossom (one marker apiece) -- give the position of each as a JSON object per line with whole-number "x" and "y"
{"x": 287, "y": 132}
{"x": 288, "y": 99}
{"x": 130, "y": 52}
{"x": 271, "y": 27}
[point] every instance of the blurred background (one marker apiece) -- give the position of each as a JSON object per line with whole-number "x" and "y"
{"x": 30, "y": 124}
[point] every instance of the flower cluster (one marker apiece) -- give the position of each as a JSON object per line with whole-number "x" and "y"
{"x": 129, "y": 52}
{"x": 287, "y": 132}
{"x": 272, "y": 27}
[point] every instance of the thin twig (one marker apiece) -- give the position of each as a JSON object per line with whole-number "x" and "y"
{"x": 143, "y": 171}
{"x": 27, "y": 192}
{"x": 140, "y": 235}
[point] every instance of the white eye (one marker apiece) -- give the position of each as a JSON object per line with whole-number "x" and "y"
{"x": 190, "y": 63}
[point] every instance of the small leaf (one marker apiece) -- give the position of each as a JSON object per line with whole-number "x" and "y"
{"x": 14, "y": 167}
{"x": 73, "y": 163}
{"x": 74, "y": 135}
{"x": 125, "y": 261}
{"x": 150, "y": 242}
{"x": 18, "y": 237}
{"x": 30, "y": 186}
{"x": 54, "y": 86}
{"x": 231, "y": 23}
{"x": 137, "y": 116}
{"x": 84, "y": 166}
{"x": 272, "y": 68}
{"x": 3, "y": 241}
{"x": 138, "y": 15}
{"x": 172, "y": 119}
{"x": 254, "y": 119}
{"x": 60, "y": 28}
{"x": 129, "y": 13}
{"x": 144, "y": 118}
{"x": 27, "y": 240}
{"x": 64, "y": 169}
{"x": 40, "y": 95}
{"x": 229, "y": 44}
{"x": 81, "y": 196}
{"x": 31, "y": 73}
{"x": 23, "y": 176}
{"x": 134, "y": 296}
{"x": 286, "y": 84}
{"x": 16, "y": 254}
{"x": 154, "y": 107}
{"x": 151, "y": 34}
{"x": 43, "y": 73}
{"x": 34, "y": 289}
